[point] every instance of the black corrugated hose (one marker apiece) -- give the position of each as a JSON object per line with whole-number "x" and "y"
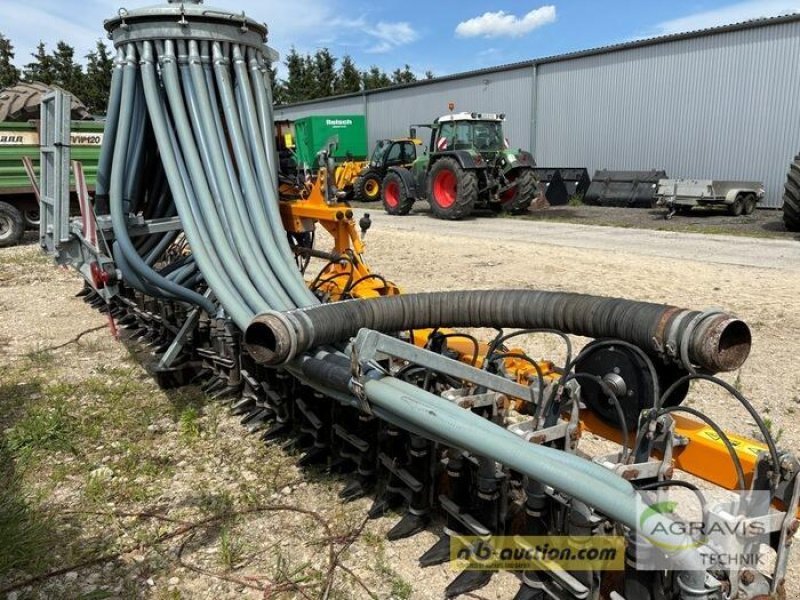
{"x": 712, "y": 340}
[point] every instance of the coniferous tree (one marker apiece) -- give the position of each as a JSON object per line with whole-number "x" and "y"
{"x": 42, "y": 68}
{"x": 348, "y": 79}
{"x": 375, "y": 78}
{"x": 9, "y": 74}
{"x": 406, "y": 75}
{"x": 97, "y": 81}
{"x": 324, "y": 74}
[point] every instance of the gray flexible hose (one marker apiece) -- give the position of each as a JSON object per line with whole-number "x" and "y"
{"x": 110, "y": 130}
{"x": 119, "y": 224}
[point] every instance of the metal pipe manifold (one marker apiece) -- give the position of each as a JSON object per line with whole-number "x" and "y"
{"x": 711, "y": 340}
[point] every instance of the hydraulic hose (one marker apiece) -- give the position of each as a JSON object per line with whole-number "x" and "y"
{"x": 110, "y": 130}
{"x": 715, "y": 341}
{"x": 117, "y": 215}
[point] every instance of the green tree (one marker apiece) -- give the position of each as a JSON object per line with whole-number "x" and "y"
{"x": 42, "y": 68}
{"x": 298, "y": 85}
{"x": 324, "y": 74}
{"x": 9, "y": 74}
{"x": 68, "y": 73}
{"x": 406, "y": 75}
{"x": 348, "y": 79}
{"x": 278, "y": 92}
{"x": 97, "y": 81}
{"x": 429, "y": 75}
{"x": 375, "y": 78}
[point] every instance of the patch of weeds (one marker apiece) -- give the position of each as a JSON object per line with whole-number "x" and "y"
{"x": 576, "y": 200}
{"x": 40, "y": 356}
{"x": 400, "y": 588}
{"x": 770, "y": 425}
{"x": 97, "y": 489}
{"x": 189, "y": 423}
{"x": 283, "y": 571}
{"x": 216, "y": 504}
{"x": 46, "y": 428}
{"x": 231, "y": 549}
{"x": 26, "y": 533}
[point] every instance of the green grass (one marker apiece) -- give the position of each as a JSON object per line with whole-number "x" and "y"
{"x": 189, "y": 423}
{"x": 44, "y": 428}
{"x": 576, "y": 200}
{"x": 231, "y": 549}
{"x": 26, "y": 533}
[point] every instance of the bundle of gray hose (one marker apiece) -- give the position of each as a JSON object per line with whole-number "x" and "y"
{"x": 190, "y": 130}
{"x": 712, "y": 340}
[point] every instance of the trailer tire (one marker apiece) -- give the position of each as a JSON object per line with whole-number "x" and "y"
{"x": 452, "y": 191}
{"x": 749, "y": 204}
{"x": 394, "y": 195}
{"x": 367, "y": 187}
{"x": 12, "y": 225}
{"x": 31, "y": 218}
{"x": 517, "y": 200}
{"x": 791, "y": 197}
{"x": 736, "y": 208}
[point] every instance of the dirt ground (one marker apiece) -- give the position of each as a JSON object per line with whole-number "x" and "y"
{"x": 763, "y": 223}
{"x": 164, "y": 495}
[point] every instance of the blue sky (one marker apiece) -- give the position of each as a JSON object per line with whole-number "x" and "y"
{"x": 445, "y": 37}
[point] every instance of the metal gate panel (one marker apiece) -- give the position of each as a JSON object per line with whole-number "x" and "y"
{"x": 54, "y": 170}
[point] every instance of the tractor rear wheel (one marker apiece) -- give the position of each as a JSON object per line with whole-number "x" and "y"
{"x": 517, "y": 200}
{"x": 396, "y": 200}
{"x": 791, "y": 197}
{"x": 12, "y": 225}
{"x": 367, "y": 187}
{"x": 452, "y": 191}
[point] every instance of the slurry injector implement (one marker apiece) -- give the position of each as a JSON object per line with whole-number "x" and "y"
{"x": 196, "y": 249}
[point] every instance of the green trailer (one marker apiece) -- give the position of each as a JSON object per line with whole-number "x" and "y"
{"x": 18, "y": 206}
{"x": 313, "y": 133}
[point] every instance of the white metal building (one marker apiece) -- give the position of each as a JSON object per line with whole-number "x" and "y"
{"x": 719, "y": 103}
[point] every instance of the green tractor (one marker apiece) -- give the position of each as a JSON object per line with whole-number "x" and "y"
{"x": 469, "y": 166}
{"x": 397, "y": 152}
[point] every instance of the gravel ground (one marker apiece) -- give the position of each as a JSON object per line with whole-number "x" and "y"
{"x": 134, "y": 450}
{"x": 763, "y": 223}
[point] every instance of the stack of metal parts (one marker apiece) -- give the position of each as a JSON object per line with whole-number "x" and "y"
{"x": 193, "y": 258}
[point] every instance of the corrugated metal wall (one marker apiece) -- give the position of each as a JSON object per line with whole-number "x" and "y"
{"x": 725, "y": 106}
{"x": 390, "y": 113}
{"x": 722, "y": 106}
{"x": 337, "y": 106}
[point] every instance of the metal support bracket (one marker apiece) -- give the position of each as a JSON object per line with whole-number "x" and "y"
{"x": 180, "y": 339}
{"x": 371, "y": 345}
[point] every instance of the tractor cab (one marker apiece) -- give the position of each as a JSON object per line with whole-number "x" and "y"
{"x": 393, "y": 153}
{"x": 479, "y": 132}
{"x": 389, "y": 153}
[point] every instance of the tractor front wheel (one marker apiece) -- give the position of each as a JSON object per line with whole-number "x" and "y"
{"x": 367, "y": 187}
{"x": 517, "y": 199}
{"x": 452, "y": 191}
{"x": 396, "y": 200}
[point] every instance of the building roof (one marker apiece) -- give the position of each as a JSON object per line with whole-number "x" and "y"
{"x": 652, "y": 41}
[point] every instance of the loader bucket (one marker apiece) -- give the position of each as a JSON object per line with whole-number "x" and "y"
{"x": 624, "y": 188}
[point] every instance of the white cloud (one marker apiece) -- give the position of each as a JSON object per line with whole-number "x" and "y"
{"x": 502, "y": 24}
{"x": 735, "y": 13}
{"x": 390, "y": 35}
